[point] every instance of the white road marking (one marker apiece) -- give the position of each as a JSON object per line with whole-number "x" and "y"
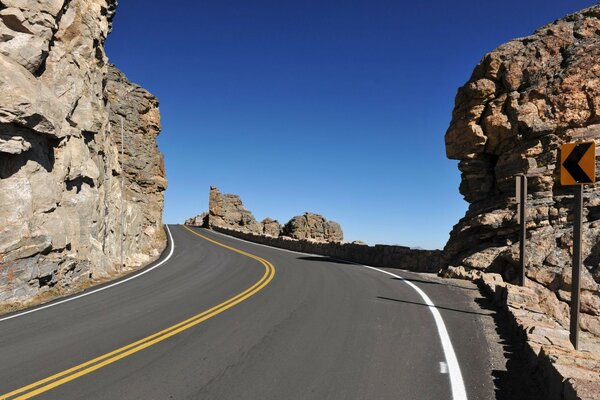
{"x": 99, "y": 289}
{"x": 456, "y": 381}
{"x": 443, "y": 368}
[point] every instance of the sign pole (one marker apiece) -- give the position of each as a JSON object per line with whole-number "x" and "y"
{"x": 522, "y": 220}
{"x": 576, "y": 273}
{"x": 577, "y": 168}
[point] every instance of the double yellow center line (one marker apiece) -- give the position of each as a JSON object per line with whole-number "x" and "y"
{"x": 87, "y": 367}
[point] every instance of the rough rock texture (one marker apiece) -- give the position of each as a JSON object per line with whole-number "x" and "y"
{"x": 228, "y": 211}
{"x": 61, "y": 199}
{"x": 271, "y": 227}
{"x": 313, "y": 226}
{"x": 564, "y": 373}
{"x": 522, "y": 102}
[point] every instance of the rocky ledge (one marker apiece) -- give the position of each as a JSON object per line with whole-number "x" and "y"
{"x": 81, "y": 177}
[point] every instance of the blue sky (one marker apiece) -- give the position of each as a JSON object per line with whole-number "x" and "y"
{"x": 336, "y": 107}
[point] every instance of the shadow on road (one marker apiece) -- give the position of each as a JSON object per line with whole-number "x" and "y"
{"x": 434, "y": 283}
{"x": 438, "y": 307}
{"x": 324, "y": 259}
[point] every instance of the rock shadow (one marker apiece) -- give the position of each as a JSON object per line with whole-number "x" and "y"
{"x": 517, "y": 382}
{"x": 325, "y": 259}
{"x": 41, "y": 150}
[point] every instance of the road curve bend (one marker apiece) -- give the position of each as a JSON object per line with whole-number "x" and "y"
{"x": 227, "y": 319}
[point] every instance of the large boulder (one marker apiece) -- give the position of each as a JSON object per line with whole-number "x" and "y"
{"x": 313, "y": 226}
{"x": 523, "y": 101}
{"x": 271, "y": 227}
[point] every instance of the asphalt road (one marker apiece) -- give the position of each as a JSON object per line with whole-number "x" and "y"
{"x": 316, "y": 329}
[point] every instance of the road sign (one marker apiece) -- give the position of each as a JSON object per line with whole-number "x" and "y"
{"x": 577, "y": 163}
{"x": 577, "y": 168}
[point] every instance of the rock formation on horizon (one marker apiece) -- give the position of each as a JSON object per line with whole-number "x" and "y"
{"x": 227, "y": 211}
{"x": 524, "y": 100}
{"x": 61, "y": 200}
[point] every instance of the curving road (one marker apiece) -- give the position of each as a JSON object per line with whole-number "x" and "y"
{"x": 249, "y": 322}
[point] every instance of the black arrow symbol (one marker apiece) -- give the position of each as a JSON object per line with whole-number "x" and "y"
{"x": 571, "y": 164}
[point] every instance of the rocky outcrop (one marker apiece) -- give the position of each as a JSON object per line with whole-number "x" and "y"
{"x": 522, "y": 102}
{"x": 313, "y": 226}
{"x": 70, "y": 206}
{"x": 199, "y": 220}
{"x": 227, "y": 211}
{"x": 270, "y": 227}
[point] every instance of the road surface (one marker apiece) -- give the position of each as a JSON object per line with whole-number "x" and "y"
{"x": 250, "y": 322}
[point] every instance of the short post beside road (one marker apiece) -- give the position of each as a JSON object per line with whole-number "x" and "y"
{"x": 522, "y": 216}
{"x": 576, "y": 273}
{"x": 577, "y": 168}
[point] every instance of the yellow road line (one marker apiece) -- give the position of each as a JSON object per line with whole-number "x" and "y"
{"x": 85, "y": 368}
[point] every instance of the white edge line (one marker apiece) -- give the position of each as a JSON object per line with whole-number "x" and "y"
{"x": 456, "y": 380}
{"x": 99, "y": 289}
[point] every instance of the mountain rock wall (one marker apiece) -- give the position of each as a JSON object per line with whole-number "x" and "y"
{"x": 523, "y": 101}
{"x": 70, "y": 206}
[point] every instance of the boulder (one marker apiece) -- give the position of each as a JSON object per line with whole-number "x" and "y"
{"x": 313, "y": 226}
{"x": 271, "y": 227}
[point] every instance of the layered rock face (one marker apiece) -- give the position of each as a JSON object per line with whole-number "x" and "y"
{"x": 313, "y": 226}
{"x": 523, "y": 101}
{"x": 67, "y": 198}
{"x": 227, "y": 211}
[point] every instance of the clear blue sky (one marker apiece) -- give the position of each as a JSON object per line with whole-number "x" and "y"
{"x": 337, "y": 107}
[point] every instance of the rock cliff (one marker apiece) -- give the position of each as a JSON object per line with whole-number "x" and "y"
{"x": 65, "y": 190}
{"x": 524, "y": 100}
{"x": 227, "y": 211}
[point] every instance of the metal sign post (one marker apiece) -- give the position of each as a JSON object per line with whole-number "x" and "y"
{"x": 578, "y": 167}
{"x": 576, "y": 273}
{"x": 521, "y": 187}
